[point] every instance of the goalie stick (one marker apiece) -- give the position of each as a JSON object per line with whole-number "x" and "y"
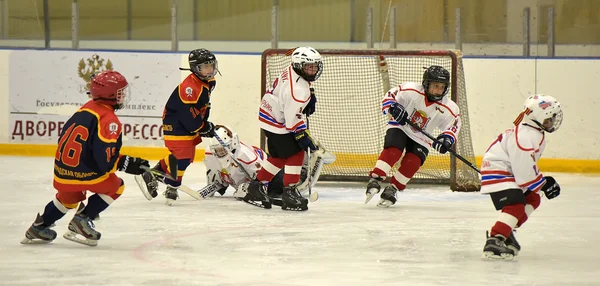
{"x": 312, "y": 196}
{"x": 267, "y": 203}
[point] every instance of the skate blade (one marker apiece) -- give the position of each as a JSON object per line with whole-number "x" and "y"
{"x": 370, "y": 195}
{"x": 169, "y": 202}
{"x": 489, "y": 255}
{"x": 142, "y": 185}
{"x": 294, "y": 209}
{"x": 34, "y": 241}
{"x": 69, "y": 235}
{"x": 263, "y": 204}
{"x": 384, "y": 203}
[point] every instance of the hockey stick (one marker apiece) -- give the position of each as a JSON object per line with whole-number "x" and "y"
{"x": 413, "y": 125}
{"x": 160, "y": 176}
{"x": 312, "y": 196}
{"x": 267, "y": 202}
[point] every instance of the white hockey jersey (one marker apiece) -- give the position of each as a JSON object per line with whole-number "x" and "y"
{"x": 428, "y": 115}
{"x": 281, "y": 107}
{"x": 511, "y": 161}
{"x": 226, "y": 171}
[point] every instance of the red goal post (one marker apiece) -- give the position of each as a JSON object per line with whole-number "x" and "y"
{"x": 348, "y": 119}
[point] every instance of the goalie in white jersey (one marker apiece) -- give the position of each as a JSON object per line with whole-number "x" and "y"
{"x": 281, "y": 119}
{"x": 426, "y": 105}
{"x": 222, "y": 171}
{"x": 509, "y": 173}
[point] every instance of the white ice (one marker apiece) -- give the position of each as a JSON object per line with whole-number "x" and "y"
{"x": 430, "y": 237}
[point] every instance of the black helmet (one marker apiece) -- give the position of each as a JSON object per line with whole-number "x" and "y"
{"x": 436, "y": 74}
{"x": 199, "y": 57}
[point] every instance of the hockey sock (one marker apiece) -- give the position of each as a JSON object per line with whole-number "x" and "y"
{"x": 532, "y": 202}
{"x": 182, "y": 165}
{"x": 293, "y": 168}
{"x": 388, "y": 157}
{"x": 270, "y": 168}
{"x": 408, "y": 167}
{"x": 508, "y": 219}
{"x": 54, "y": 211}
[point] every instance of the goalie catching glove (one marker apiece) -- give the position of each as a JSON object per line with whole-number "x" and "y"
{"x": 443, "y": 143}
{"x": 132, "y": 165}
{"x": 305, "y": 141}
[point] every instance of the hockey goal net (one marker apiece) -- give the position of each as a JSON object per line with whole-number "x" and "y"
{"x": 349, "y": 122}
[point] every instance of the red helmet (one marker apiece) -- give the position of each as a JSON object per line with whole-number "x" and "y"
{"x": 110, "y": 87}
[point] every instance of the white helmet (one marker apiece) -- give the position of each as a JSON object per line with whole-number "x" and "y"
{"x": 307, "y": 55}
{"x": 231, "y": 140}
{"x": 545, "y": 111}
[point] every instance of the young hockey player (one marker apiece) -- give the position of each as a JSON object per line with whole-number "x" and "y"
{"x": 87, "y": 156}
{"x": 222, "y": 171}
{"x": 185, "y": 121}
{"x": 280, "y": 117}
{"x": 509, "y": 173}
{"x": 426, "y": 105}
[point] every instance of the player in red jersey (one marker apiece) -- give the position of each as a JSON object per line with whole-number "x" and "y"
{"x": 87, "y": 157}
{"x": 185, "y": 121}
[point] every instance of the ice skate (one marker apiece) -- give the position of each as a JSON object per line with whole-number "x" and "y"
{"x": 37, "y": 233}
{"x": 513, "y": 244}
{"x": 257, "y": 196}
{"x": 171, "y": 195}
{"x": 292, "y": 200}
{"x": 388, "y": 197}
{"x": 148, "y": 184}
{"x": 373, "y": 188}
{"x": 495, "y": 248}
{"x": 82, "y": 230}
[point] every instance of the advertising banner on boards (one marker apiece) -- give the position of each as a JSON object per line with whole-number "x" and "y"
{"x": 47, "y": 87}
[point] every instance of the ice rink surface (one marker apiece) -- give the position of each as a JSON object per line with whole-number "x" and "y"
{"x": 430, "y": 237}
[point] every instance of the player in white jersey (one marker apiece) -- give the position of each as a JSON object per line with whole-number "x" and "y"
{"x": 222, "y": 171}
{"x": 281, "y": 119}
{"x": 426, "y": 105}
{"x": 509, "y": 173}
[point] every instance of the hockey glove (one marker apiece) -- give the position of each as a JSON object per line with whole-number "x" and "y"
{"x": 207, "y": 130}
{"x": 132, "y": 165}
{"x": 443, "y": 143}
{"x": 398, "y": 113}
{"x": 305, "y": 141}
{"x": 551, "y": 188}
{"x": 310, "y": 108}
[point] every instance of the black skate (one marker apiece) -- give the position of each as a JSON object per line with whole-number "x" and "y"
{"x": 257, "y": 196}
{"x": 388, "y": 197}
{"x": 495, "y": 248}
{"x": 512, "y": 243}
{"x": 82, "y": 225}
{"x": 148, "y": 184}
{"x": 292, "y": 200}
{"x": 37, "y": 233}
{"x": 171, "y": 195}
{"x": 373, "y": 188}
